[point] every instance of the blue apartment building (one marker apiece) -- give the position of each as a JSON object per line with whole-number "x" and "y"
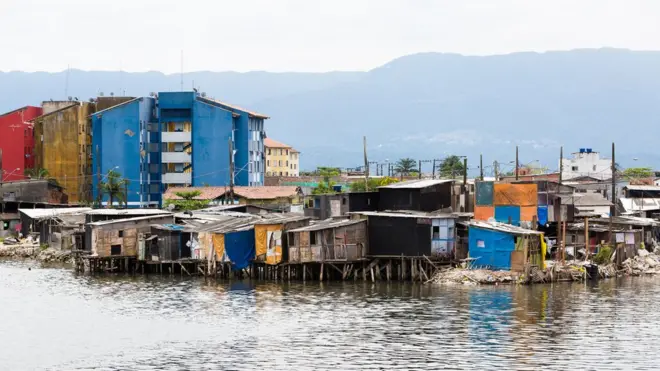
{"x": 176, "y": 139}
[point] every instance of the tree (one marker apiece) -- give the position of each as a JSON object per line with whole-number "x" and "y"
{"x": 405, "y": 166}
{"x": 326, "y": 186}
{"x": 637, "y": 173}
{"x": 115, "y": 187}
{"x": 451, "y": 167}
{"x": 188, "y": 201}
{"x": 373, "y": 183}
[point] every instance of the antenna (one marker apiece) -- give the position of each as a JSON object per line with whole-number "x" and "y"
{"x": 181, "y": 69}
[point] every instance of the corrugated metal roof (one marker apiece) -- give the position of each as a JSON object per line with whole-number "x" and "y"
{"x": 417, "y": 215}
{"x": 643, "y": 188}
{"x": 640, "y": 204}
{"x": 328, "y": 224}
{"x": 416, "y": 184}
{"x": 250, "y": 193}
{"x": 138, "y": 219}
{"x": 584, "y": 199}
{"x": 502, "y": 227}
{"x": 49, "y": 213}
{"x": 128, "y": 212}
{"x": 281, "y": 218}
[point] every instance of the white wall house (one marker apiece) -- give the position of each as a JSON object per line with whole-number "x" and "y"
{"x": 586, "y": 163}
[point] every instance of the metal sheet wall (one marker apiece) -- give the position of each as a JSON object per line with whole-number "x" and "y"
{"x": 484, "y": 193}
{"x": 515, "y": 194}
{"x": 505, "y": 213}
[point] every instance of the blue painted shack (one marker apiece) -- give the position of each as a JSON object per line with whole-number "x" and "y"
{"x": 501, "y": 246}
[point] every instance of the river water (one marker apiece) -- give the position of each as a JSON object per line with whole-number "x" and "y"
{"x": 54, "y": 320}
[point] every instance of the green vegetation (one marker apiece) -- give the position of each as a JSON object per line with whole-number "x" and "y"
{"x": 37, "y": 173}
{"x": 637, "y": 173}
{"x": 604, "y": 255}
{"x": 115, "y": 187}
{"x": 372, "y": 184}
{"x": 325, "y": 187}
{"x": 188, "y": 201}
{"x": 405, "y": 166}
{"x": 451, "y": 167}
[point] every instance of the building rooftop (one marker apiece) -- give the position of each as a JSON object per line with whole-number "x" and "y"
{"x": 649, "y": 188}
{"x": 137, "y": 219}
{"x": 127, "y": 212}
{"x": 250, "y": 193}
{"x": 281, "y": 218}
{"x": 235, "y": 107}
{"x": 17, "y": 110}
{"x": 416, "y": 184}
{"x": 584, "y": 199}
{"x": 49, "y": 213}
{"x": 74, "y": 104}
{"x": 410, "y": 214}
{"x": 271, "y": 143}
{"x": 328, "y": 224}
{"x": 116, "y": 106}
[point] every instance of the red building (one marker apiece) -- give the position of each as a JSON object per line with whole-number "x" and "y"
{"x": 17, "y": 142}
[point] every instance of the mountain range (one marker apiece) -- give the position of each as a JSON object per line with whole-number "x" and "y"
{"x": 424, "y": 106}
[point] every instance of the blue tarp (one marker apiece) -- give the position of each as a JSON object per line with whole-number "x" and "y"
{"x": 239, "y": 247}
{"x": 542, "y": 213}
{"x": 492, "y": 249}
{"x": 502, "y": 214}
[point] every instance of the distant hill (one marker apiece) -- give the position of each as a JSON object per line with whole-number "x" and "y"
{"x": 423, "y": 106}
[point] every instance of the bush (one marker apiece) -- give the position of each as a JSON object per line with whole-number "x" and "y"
{"x": 604, "y": 255}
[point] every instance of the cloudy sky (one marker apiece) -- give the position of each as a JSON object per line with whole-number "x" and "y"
{"x": 304, "y": 35}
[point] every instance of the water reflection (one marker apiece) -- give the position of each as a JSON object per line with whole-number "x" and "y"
{"x": 175, "y": 323}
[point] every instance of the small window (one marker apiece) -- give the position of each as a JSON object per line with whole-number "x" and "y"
{"x": 343, "y": 201}
{"x": 312, "y": 238}
{"x": 269, "y": 151}
{"x": 574, "y": 168}
{"x": 267, "y": 162}
{"x": 368, "y": 201}
{"x": 115, "y": 250}
{"x": 594, "y": 167}
{"x": 121, "y": 233}
{"x": 436, "y": 232}
{"x": 287, "y": 163}
{"x": 287, "y": 152}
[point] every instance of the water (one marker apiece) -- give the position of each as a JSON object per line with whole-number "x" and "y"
{"x": 54, "y": 320}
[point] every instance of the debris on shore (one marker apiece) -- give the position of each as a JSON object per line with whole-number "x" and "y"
{"x": 33, "y": 251}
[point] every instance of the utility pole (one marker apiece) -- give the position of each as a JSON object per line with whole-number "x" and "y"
{"x": 125, "y": 194}
{"x": 496, "y": 169}
{"x": 613, "y": 209}
{"x": 231, "y": 171}
{"x": 466, "y": 191}
{"x": 366, "y": 165}
{"x": 481, "y": 167}
{"x": 420, "y": 169}
{"x": 516, "y": 162}
{"x": 99, "y": 198}
{"x": 561, "y": 169}
{"x": 434, "y": 160}
{"x": 561, "y": 163}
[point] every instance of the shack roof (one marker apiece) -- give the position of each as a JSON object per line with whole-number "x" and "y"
{"x": 137, "y": 219}
{"x": 502, "y": 227}
{"x": 408, "y": 214}
{"x": 128, "y": 212}
{"x": 584, "y": 199}
{"x": 328, "y": 224}
{"x": 628, "y": 220}
{"x": 640, "y": 204}
{"x": 49, "y": 213}
{"x": 224, "y": 225}
{"x": 417, "y": 184}
{"x": 649, "y": 188}
{"x": 281, "y": 218}
{"x": 250, "y": 193}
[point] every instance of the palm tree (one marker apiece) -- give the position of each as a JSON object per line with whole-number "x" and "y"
{"x": 405, "y": 166}
{"x": 115, "y": 187}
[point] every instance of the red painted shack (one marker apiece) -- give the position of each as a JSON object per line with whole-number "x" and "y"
{"x": 17, "y": 142}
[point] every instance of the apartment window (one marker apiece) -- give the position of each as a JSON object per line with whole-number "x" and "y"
{"x": 267, "y": 162}
{"x": 287, "y": 152}
{"x": 268, "y": 151}
{"x": 287, "y": 173}
{"x": 574, "y": 168}
{"x": 280, "y": 173}
{"x": 436, "y": 232}
{"x": 287, "y": 163}
{"x": 594, "y": 167}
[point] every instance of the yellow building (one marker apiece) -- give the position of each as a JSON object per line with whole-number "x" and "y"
{"x": 281, "y": 159}
{"x": 63, "y": 143}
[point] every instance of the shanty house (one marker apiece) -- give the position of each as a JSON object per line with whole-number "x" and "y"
{"x": 410, "y": 234}
{"x": 642, "y": 200}
{"x": 416, "y": 195}
{"x": 333, "y": 205}
{"x": 503, "y": 246}
{"x": 55, "y": 226}
{"x": 278, "y": 198}
{"x": 120, "y": 237}
{"x": 329, "y": 240}
{"x": 270, "y": 237}
{"x": 506, "y": 202}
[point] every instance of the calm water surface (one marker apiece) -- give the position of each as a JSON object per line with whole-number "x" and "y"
{"x": 54, "y": 320}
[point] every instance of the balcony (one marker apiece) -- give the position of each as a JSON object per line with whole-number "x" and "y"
{"x": 177, "y": 178}
{"x": 176, "y": 157}
{"x": 176, "y": 137}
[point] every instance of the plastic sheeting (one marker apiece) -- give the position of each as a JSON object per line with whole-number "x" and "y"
{"x": 542, "y": 213}
{"x": 484, "y": 212}
{"x": 491, "y": 249}
{"x": 504, "y": 213}
{"x": 515, "y": 194}
{"x": 219, "y": 246}
{"x": 269, "y": 243}
{"x": 239, "y": 247}
{"x": 484, "y": 193}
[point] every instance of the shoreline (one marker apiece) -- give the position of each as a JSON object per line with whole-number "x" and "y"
{"x": 34, "y": 252}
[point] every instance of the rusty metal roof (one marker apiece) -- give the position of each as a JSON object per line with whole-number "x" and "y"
{"x": 328, "y": 224}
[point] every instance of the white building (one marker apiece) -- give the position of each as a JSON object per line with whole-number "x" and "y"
{"x": 586, "y": 163}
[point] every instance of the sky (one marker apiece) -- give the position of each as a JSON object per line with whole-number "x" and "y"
{"x": 304, "y": 35}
